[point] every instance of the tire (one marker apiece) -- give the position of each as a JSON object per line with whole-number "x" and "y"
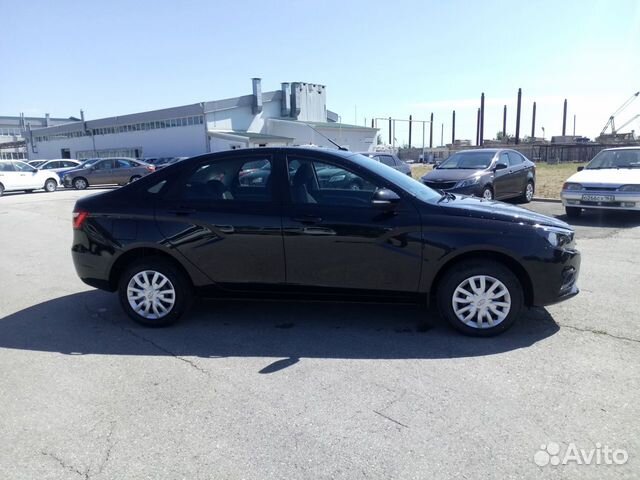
{"x": 497, "y": 277}
{"x": 1, "y": 189}
{"x": 50, "y": 185}
{"x": 134, "y": 178}
{"x": 169, "y": 279}
{"x": 80, "y": 183}
{"x": 573, "y": 212}
{"x": 487, "y": 193}
{"x": 528, "y": 193}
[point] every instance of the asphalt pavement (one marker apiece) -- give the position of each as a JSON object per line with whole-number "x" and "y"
{"x": 282, "y": 390}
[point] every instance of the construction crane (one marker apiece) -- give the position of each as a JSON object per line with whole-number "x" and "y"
{"x": 627, "y": 122}
{"x": 612, "y": 121}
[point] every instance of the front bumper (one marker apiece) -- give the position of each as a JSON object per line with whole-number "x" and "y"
{"x": 621, "y": 200}
{"x": 555, "y": 278}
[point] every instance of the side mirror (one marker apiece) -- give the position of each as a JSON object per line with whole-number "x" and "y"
{"x": 580, "y": 169}
{"x": 500, "y": 166}
{"x": 385, "y": 197}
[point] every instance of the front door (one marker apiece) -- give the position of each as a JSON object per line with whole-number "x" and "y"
{"x": 334, "y": 236}
{"x": 502, "y": 181}
{"x": 27, "y": 176}
{"x": 228, "y": 228}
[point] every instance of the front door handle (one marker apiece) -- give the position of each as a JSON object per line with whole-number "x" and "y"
{"x": 182, "y": 211}
{"x": 307, "y": 219}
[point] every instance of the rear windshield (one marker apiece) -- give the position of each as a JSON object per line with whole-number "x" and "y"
{"x": 468, "y": 160}
{"x": 615, "y": 159}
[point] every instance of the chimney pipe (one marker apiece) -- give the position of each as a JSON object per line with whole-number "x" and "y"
{"x": 46, "y": 119}
{"x": 257, "y": 95}
{"x": 390, "y": 133}
{"x": 482, "y": 119}
{"x": 453, "y": 128}
{"x": 285, "y": 106}
{"x": 431, "y": 131}
{"x": 478, "y": 128}
{"x": 533, "y": 122}
{"x": 410, "y": 120}
{"x": 504, "y": 124}
{"x": 518, "y": 116}
{"x": 564, "y": 118}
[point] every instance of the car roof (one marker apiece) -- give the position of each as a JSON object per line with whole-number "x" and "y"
{"x": 622, "y": 148}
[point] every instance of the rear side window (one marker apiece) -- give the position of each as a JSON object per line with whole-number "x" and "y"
{"x": 515, "y": 158}
{"x": 120, "y": 163}
{"x": 242, "y": 179}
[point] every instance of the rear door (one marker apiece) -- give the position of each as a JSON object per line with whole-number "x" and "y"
{"x": 229, "y": 230}
{"x": 335, "y": 237}
{"x": 122, "y": 170}
{"x": 520, "y": 171}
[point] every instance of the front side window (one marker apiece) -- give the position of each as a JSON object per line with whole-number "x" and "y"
{"x": 504, "y": 159}
{"x": 104, "y": 165}
{"x": 315, "y": 182}
{"x": 230, "y": 180}
{"x": 22, "y": 167}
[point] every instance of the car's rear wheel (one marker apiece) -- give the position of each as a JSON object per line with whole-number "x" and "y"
{"x": 134, "y": 178}
{"x": 154, "y": 292}
{"x": 528, "y": 193}
{"x": 487, "y": 193}
{"x": 480, "y": 298}
{"x": 573, "y": 212}
{"x": 50, "y": 185}
{"x": 1, "y": 189}
{"x": 80, "y": 183}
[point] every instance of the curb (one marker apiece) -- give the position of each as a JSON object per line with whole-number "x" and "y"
{"x": 550, "y": 200}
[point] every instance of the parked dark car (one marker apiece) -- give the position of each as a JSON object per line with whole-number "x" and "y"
{"x": 106, "y": 171}
{"x": 390, "y": 160}
{"x": 487, "y": 173}
{"x": 194, "y": 228}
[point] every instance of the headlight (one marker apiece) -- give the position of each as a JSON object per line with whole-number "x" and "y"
{"x": 468, "y": 182}
{"x": 629, "y": 188}
{"x": 557, "y": 237}
{"x": 337, "y": 178}
{"x": 572, "y": 186}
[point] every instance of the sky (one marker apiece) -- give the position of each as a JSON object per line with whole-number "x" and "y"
{"x": 377, "y": 58}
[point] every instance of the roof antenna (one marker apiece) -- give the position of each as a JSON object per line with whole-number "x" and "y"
{"x": 327, "y": 138}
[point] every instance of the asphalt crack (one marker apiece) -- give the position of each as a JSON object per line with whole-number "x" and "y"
{"x": 600, "y": 332}
{"x": 390, "y": 419}
{"x": 67, "y": 466}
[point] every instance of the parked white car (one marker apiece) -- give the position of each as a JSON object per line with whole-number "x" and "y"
{"x": 16, "y": 175}
{"x": 610, "y": 181}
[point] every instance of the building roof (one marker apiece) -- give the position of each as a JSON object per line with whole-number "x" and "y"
{"x": 337, "y": 126}
{"x": 250, "y": 135}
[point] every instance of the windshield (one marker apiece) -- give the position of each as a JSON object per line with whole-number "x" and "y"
{"x": 36, "y": 164}
{"x": 615, "y": 159}
{"x": 404, "y": 181}
{"x": 468, "y": 161}
{"x": 88, "y": 163}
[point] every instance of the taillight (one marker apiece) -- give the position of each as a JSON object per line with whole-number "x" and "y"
{"x": 78, "y": 219}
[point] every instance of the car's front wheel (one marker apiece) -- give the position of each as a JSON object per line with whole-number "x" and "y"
{"x": 480, "y": 298}
{"x": 573, "y": 212}
{"x": 154, "y": 292}
{"x": 487, "y": 193}
{"x": 50, "y": 185}
{"x": 80, "y": 183}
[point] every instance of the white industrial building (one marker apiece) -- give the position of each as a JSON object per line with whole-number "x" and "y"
{"x": 12, "y": 133}
{"x": 294, "y": 115}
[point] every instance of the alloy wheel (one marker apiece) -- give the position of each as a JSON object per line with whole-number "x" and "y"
{"x": 481, "y": 301}
{"x": 528, "y": 193}
{"x": 487, "y": 194}
{"x": 151, "y": 294}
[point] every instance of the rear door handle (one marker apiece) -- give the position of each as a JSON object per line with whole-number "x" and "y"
{"x": 307, "y": 219}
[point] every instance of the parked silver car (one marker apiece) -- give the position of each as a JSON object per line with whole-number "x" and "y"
{"x": 390, "y": 160}
{"x": 106, "y": 171}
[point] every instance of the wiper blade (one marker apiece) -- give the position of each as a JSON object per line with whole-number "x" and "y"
{"x": 445, "y": 195}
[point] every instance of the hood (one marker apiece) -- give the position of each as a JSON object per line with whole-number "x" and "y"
{"x": 613, "y": 176}
{"x": 450, "y": 174}
{"x": 494, "y": 210}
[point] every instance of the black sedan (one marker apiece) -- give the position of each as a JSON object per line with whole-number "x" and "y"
{"x": 487, "y": 173}
{"x": 196, "y": 228}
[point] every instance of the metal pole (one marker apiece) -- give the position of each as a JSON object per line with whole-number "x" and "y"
{"x": 482, "y": 118}
{"x": 453, "y": 128}
{"x": 564, "y": 118}
{"x": 518, "y": 116}
{"x": 574, "y": 124}
{"x": 533, "y": 122}
{"x": 423, "y": 159}
{"x": 442, "y": 134}
{"x": 478, "y": 128}
{"x": 389, "y": 130}
{"x": 431, "y": 131}
{"x": 504, "y": 125}
{"x": 410, "y": 119}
